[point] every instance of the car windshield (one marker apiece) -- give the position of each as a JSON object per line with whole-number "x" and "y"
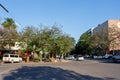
{"x": 5, "y": 55}
{"x": 117, "y": 54}
{"x": 79, "y": 56}
{"x": 11, "y": 55}
{"x": 16, "y": 55}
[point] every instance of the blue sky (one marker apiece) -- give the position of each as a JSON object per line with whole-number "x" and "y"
{"x": 75, "y": 16}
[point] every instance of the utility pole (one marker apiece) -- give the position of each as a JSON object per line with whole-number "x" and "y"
{"x": 4, "y": 8}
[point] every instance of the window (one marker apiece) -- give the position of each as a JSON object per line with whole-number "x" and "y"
{"x": 16, "y": 56}
{"x": 11, "y": 55}
{"x": 5, "y": 55}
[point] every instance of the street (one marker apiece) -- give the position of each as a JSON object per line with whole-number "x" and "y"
{"x": 71, "y": 70}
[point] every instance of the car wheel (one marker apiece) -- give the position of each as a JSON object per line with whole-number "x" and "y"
{"x": 114, "y": 60}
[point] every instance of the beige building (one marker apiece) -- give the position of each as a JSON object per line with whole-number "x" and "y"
{"x": 109, "y": 31}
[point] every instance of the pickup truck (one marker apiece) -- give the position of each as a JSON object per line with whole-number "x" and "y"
{"x": 116, "y": 57}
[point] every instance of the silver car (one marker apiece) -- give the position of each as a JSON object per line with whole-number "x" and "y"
{"x": 70, "y": 57}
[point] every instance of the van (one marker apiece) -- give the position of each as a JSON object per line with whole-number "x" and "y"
{"x": 11, "y": 58}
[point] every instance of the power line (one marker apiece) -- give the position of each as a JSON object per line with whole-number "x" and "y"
{"x": 4, "y": 8}
{"x": 9, "y": 13}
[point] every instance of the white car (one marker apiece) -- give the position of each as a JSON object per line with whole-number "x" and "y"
{"x": 79, "y": 58}
{"x": 11, "y": 58}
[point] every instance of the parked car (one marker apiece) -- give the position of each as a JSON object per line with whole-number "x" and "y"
{"x": 108, "y": 56}
{"x": 116, "y": 57}
{"x": 70, "y": 57}
{"x": 11, "y": 58}
{"x": 79, "y": 58}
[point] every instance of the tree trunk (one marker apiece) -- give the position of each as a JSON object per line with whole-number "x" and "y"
{"x": 52, "y": 57}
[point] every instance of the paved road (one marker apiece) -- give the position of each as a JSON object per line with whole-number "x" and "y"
{"x": 73, "y": 70}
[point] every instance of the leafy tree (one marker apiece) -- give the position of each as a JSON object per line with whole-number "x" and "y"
{"x": 66, "y": 44}
{"x": 9, "y": 24}
{"x": 48, "y": 40}
{"x": 100, "y": 41}
{"x": 28, "y": 36}
{"x": 10, "y": 34}
{"x": 83, "y": 46}
{"x": 2, "y": 41}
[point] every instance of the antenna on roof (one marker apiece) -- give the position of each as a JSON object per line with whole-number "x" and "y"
{"x": 4, "y": 8}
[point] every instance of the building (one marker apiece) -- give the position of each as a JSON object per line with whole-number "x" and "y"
{"x": 109, "y": 31}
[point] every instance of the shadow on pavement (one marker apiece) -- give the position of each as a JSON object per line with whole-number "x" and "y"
{"x": 104, "y": 60}
{"x": 47, "y": 73}
{"x": 108, "y": 61}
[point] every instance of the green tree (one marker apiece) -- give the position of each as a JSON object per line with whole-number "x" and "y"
{"x": 46, "y": 39}
{"x": 9, "y": 24}
{"x": 66, "y": 44}
{"x": 10, "y": 34}
{"x": 83, "y": 45}
{"x": 28, "y": 35}
{"x": 100, "y": 41}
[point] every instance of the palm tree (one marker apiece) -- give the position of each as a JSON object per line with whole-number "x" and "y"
{"x": 11, "y": 33}
{"x": 9, "y": 24}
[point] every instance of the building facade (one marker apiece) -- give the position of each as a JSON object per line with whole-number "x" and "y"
{"x": 109, "y": 31}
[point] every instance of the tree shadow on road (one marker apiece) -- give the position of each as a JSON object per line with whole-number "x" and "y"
{"x": 47, "y": 73}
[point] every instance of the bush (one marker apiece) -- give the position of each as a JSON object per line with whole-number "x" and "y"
{"x": 36, "y": 59}
{"x": 46, "y": 60}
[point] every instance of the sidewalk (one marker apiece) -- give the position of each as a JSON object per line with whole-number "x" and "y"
{"x": 39, "y": 62}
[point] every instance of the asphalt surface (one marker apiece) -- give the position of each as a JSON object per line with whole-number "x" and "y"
{"x": 70, "y": 70}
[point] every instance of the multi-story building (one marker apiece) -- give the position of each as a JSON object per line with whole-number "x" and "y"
{"x": 109, "y": 31}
